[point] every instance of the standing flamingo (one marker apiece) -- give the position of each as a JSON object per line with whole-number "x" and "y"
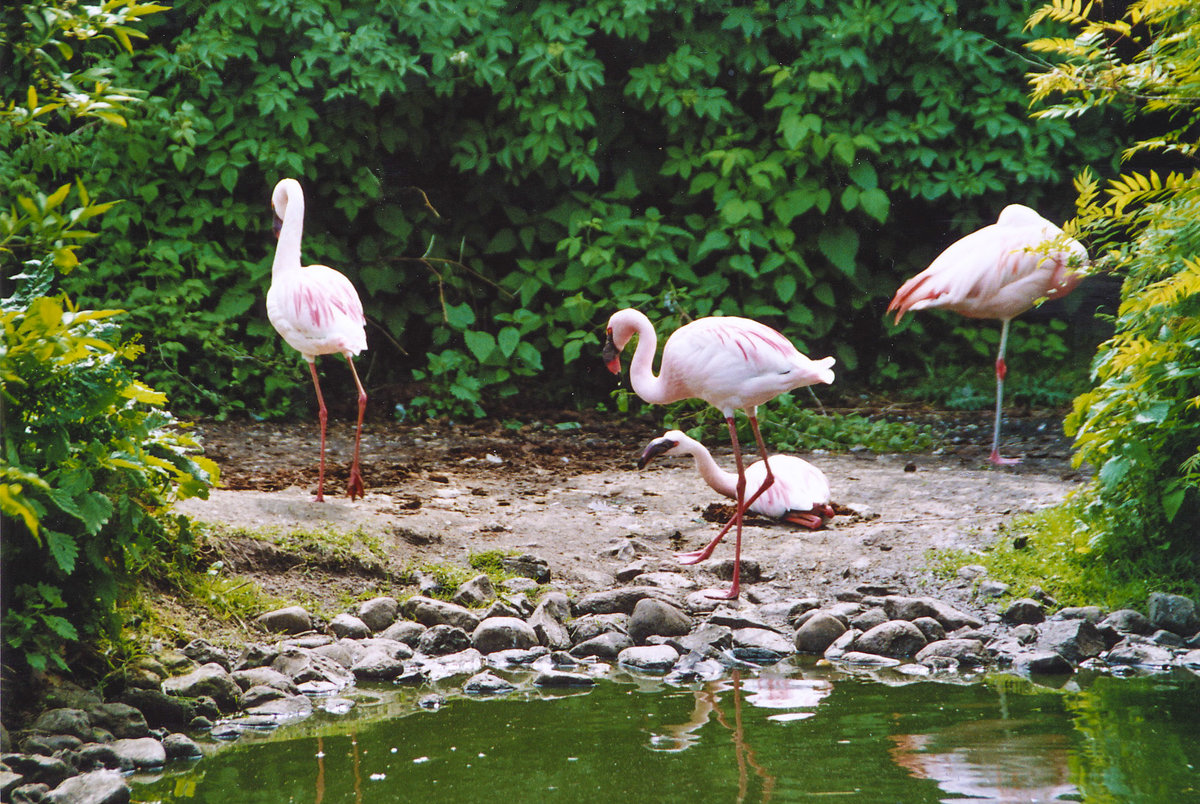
{"x": 317, "y": 311}
{"x": 728, "y": 362}
{"x": 999, "y": 271}
{"x": 800, "y": 494}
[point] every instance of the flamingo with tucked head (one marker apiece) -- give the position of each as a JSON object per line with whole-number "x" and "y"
{"x": 317, "y": 312}
{"x": 799, "y": 495}
{"x": 731, "y": 363}
{"x": 999, "y": 271}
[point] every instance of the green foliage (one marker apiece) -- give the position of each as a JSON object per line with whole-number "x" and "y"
{"x": 497, "y": 177}
{"x": 1140, "y": 424}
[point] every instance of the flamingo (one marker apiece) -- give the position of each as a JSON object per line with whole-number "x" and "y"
{"x": 729, "y": 362}
{"x": 999, "y": 271}
{"x": 317, "y": 312}
{"x": 800, "y": 494}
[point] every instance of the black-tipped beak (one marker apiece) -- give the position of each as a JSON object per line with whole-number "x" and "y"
{"x": 612, "y": 355}
{"x": 276, "y": 225}
{"x": 655, "y": 448}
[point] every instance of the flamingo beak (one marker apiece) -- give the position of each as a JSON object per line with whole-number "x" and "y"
{"x": 277, "y": 224}
{"x": 612, "y": 355}
{"x": 655, "y": 448}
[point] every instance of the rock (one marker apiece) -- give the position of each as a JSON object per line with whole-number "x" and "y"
{"x": 475, "y": 592}
{"x": 506, "y": 659}
{"x": 668, "y": 581}
{"x": 209, "y": 679}
{"x": 1167, "y": 639}
{"x": 518, "y": 585}
{"x": 560, "y": 679}
{"x": 842, "y": 644}
{"x": 1092, "y": 614}
{"x": 430, "y": 612}
{"x": 1025, "y": 610}
{"x": 548, "y": 621}
{"x": 64, "y": 721}
{"x": 486, "y": 683}
{"x": 1042, "y": 662}
{"x": 993, "y": 588}
{"x": 966, "y": 652}
{"x": 345, "y": 652}
{"x": 593, "y": 625}
{"x": 706, "y": 637}
{"x": 527, "y": 566}
{"x": 261, "y": 694}
{"x": 443, "y": 639}
{"x": 159, "y": 709}
{"x": 306, "y": 667}
{"x": 1174, "y": 613}
{"x": 503, "y": 633}
{"x": 1139, "y": 654}
{"x": 1074, "y": 640}
{"x": 751, "y": 571}
{"x": 868, "y": 659}
{"x": 122, "y": 720}
{"x": 464, "y": 663}
{"x": 143, "y": 752}
{"x": 1128, "y": 621}
{"x": 180, "y": 746}
{"x": 290, "y": 620}
{"x": 1191, "y": 659}
{"x": 871, "y": 618}
{"x": 605, "y": 646}
{"x": 895, "y": 638}
{"x": 632, "y": 570}
{"x": 649, "y": 658}
{"x": 101, "y": 756}
{"x": 818, "y": 632}
{"x": 761, "y": 640}
{"x": 931, "y": 628}
{"x": 254, "y": 655}
{"x": 49, "y": 744}
{"x": 378, "y": 613}
{"x": 405, "y": 631}
{"x": 201, "y": 651}
{"x": 653, "y": 617}
{"x": 347, "y": 626}
{"x": 263, "y": 677}
{"x": 620, "y": 600}
{"x": 378, "y": 664}
{"x": 280, "y": 710}
{"x": 38, "y": 769}
{"x": 899, "y": 607}
{"x": 97, "y": 787}
{"x": 27, "y": 793}
{"x": 502, "y": 608}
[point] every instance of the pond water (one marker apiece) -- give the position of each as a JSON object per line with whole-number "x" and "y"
{"x": 789, "y": 733}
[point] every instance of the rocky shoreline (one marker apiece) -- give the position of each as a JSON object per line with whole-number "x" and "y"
{"x": 81, "y": 747}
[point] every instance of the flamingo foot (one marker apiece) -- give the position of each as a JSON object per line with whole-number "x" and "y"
{"x": 693, "y": 557}
{"x": 354, "y": 486}
{"x": 716, "y": 594}
{"x": 998, "y": 461}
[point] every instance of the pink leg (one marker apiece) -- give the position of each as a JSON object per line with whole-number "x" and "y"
{"x": 354, "y": 486}
{"x": 323, "y": 415}
{"x": 1001, "y": 373}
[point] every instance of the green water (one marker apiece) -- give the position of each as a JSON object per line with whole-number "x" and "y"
{"x": 794, "y": 734}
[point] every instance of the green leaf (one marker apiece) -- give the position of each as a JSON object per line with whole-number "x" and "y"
{"x": 459, "y": 316}
{"x": 481, "y": 344}
{"x": 840, "y": 245}
{"x": 507, "y": 340}
{"x": 1114, "y": 471}
{"x": 63, "y": 548}
{"x": 785, "y": 287}
{"x": 875, "y": 203}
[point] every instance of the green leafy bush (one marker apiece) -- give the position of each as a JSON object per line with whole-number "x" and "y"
{"x": 497, "y": 177}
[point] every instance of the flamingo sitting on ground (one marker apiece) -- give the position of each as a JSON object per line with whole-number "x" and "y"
{"x": 999, "y": 271}
{"x": 317, "y": 311}
{"x": 728, "y": 362}
{"x": 800, "y": 494}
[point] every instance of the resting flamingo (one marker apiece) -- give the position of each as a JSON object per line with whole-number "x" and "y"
{"x": 729, "y": 362}
{"x": 800, "y": 494}
{"x": 999, "y": 271}
{"x": 317, "y": 311}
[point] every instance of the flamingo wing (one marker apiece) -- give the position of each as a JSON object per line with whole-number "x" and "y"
{"x": 798, "y": 486}
{"x": 318, "y": 312}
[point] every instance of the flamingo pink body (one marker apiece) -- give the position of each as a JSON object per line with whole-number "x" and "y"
{"x": 316, "y": 311}
{"x": 999, "y": 271}
{"x": 800, "y": 493}
{"x": 730, "y": 363}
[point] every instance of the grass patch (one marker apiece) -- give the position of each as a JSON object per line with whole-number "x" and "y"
{"x": 451, "y": 576}
{"x": 1051, "y": 548}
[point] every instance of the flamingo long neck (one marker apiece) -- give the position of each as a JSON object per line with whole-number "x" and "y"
{"x": 720, "y": 481}
{"x": 646, "y": 384}
{"x": 287, "y": 250}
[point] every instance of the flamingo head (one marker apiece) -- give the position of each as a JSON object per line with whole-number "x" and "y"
{"x": 622, "y": 326}
{"x": 285, "y": 191}
{"x": 277, "y": 225}
{"x": 666, "y": 444}
{"x": 612, "y": 353}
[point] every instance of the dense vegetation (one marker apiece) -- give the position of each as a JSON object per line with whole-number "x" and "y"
{"x": 498, "y": 177}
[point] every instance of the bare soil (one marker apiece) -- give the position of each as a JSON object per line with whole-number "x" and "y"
{"x": 566, "y": 488}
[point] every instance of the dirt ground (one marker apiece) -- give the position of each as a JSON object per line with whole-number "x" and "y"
{"x": 566, "y": 488}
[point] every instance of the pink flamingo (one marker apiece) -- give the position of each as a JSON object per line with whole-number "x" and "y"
{"x": 317, "y": 311}
{"x": 999, "y": 271}
{"x": 800, "y": 494}
{"x": 728, "y": 362}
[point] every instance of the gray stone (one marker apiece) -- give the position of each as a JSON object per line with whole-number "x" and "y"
{"x": 378, "y": 613}
{"x": 931, "y": 628}
{"x": 49, "y": 744}
{"x": 1093, "y": 614}
{"x": 475, "y": 593}
{"x": 762, "y": 639}
{"x": 632, "y": 570}
{"x": 706, "y": 637}
{"x": 159, "y": 709}
{"x": 289, "y": 620}
{"x": 501, "y": 608}
{"x": 430, "y": 612}
{"x": 503, "y": 633}
{"x": 560, "y": 679}
{"x": 842, "y": 644}
{"x": 201, "y": 651}
{"x": 406, "y": 631}
{"x": 612, "y": 601}
{"x": 653, "y": 617}
{"x": 1128, "y": 621}
{"x": 1191, "y": 659}
{"x": 868, "y": 659}
{"x": 464, "y": 663}
{"x": 593, "y": 625}
{"x": 670, "y": 582}
{"x": 263, "y": 677}
{"x": 443, "y": 639}
{"x": 122, "y": 720}
{"x": 377, "y": 664}
{"x": 64, "y": 721}
{"x": 209, "y": 679}
{"x": 97, "y": 787}
{"x": 899, "y": 607}
{"x": 345, "y": 652}
{"x": 254, "y": 655}
{"x": 605, "y": 646}
{"x": 1174, "y": 613}
{"x": 1025, "y": 610}
{"x": 38, "y": 769}
{"x": 1167, "y": 639}
{"x": 548, "y": 621}
{"x": 1042, "y": 662}
{"x": 818, "y": 632}
{"x": 516, "y": 658}
{"x": 895, "y": 638}
{"x": 279, "y": 710}
{"x": 993, "y": 588}
{"x": 1139, "y": 654}
{"x": 527, "y": 566}
{"x": 180, "y": 746}
{"x": 19, "y": 793}
{"x": 99, "y": 756}
{"x": 966, "y": 652}
{"x": 143, "y": 752}
{"x": 486, "y": 683}
{"x": 347, "y": 626}
{"x": 1074, "y": 640}
{"x": 649, "y": 658}
{"x": 306, "y": 667}
{"x": 751, "y": 571}
{"x": 259, "y": 695}
{"x": 870, "y": 618}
